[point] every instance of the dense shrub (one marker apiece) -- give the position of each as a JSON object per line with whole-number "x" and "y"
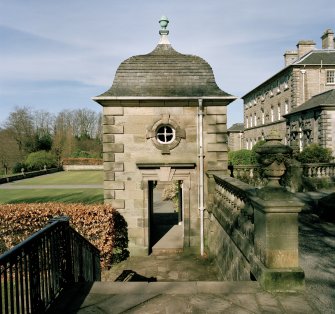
{"x": 314, "y": 153}
{"x": 100, "y": 224}
{"x": 18, "y": 167}
{"x": 242, "y": 157}
{"x": 37, "y": 160}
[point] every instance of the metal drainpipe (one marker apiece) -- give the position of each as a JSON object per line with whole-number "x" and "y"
{"x": 201, "y": 175}
{"x": 303, "y": 85}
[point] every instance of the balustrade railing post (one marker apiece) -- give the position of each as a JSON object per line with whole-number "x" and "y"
{"x": 276, "y": 264}
{"x": 65, "y": 252}
{"x": 35, "y": 280}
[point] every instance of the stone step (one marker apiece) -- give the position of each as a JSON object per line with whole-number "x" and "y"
{"x": 176, "y": 297}
{"x": 173, "y": 287}
{"x": 171, "y": 243}
{"x": 166, "y": 251}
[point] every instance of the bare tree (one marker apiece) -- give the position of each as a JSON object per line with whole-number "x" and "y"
{"x": 20, "y": 124}
{"x": 70, "y": 132}
{"x": 43, "y": 122}
{"x": 85, "y": 122}
{"x": 63, "y": 140}
{"x": 9, "y": 150}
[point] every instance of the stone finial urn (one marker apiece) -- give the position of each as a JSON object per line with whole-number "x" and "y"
{"x": 272, "y": 157}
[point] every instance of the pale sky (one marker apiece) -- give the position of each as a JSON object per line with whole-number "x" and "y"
{"x": 56, "y": 55}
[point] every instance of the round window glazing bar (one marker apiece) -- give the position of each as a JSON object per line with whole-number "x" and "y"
{"x": 165, "y": 134}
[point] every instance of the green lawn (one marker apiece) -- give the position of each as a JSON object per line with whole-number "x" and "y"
{"x": 64, "y": 178}
{"x": 86, "y": 196}
{"x": 65, "y": 195}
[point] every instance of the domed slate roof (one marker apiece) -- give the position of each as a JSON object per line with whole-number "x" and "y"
{"x": 164, "y": 73}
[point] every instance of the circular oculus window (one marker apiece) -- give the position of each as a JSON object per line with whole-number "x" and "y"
{"x": 165, "y": 134}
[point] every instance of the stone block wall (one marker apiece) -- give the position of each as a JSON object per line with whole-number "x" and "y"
{"x": 128, "y": 131}
{"x": 231, "y": 262}
{"x": 215, "y": 138}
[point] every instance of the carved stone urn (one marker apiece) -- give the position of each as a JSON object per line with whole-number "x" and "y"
{"x": 272, "y": 156}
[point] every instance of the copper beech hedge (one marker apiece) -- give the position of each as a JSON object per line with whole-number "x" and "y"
{"x": 100, "y": 224}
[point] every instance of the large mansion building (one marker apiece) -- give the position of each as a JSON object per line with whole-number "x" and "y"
{"x": 308, "y": 72}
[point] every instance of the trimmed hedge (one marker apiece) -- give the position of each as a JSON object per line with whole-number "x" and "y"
{"x": 82, "y": 161}
{"x": 100, "y": 224}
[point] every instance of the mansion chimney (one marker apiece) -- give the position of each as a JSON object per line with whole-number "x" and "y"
{"x": 328, "y": 39}
{"x": 305, "y": 46}
{"x": 290, "y": 56}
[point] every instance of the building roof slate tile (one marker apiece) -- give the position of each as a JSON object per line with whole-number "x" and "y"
{"x": 325, "y": 99}
{"x": 317, "y": 57}
{"x": 237, "y": 127}
{"x": 164, "y": 72}
{"x": 324, "y": 56}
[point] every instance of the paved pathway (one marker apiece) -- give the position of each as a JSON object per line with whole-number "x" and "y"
{"x": 317, "y": 259}
{"x": 180, "y": 283}
{"x": 175, "y": 267}
{"x": 179, "y": 297}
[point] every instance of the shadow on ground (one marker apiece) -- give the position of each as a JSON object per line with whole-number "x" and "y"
{"x": 161, "y": 224}
{"x": 76, "y": 293}
{"x": 130, "y": 275}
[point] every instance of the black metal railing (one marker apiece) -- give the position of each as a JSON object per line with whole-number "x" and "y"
{"x": 33, "y": 273}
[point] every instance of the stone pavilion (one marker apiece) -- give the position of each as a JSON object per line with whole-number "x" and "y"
{"x": 164, "y": 119}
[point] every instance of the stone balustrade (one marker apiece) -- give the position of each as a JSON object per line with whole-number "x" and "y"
{"x": 319, "y": 170}
{"x": 252, "y": 173}
{"x": 249, "y": 171}
{"x": 230, "y": 227}
{"x": 253, "y": 233}
{"x": 233, "y": 204}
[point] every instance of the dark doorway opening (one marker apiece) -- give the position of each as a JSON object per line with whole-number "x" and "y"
{"x": 165, "y": 210}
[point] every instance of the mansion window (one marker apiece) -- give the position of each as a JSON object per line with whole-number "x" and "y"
{"x": 286, "y": 106}
{"x": 272, "y": 114}
{"x": 263, "y": 116}
{"x": 279, "y": 112}
{"x": 255, "y": 120}
{"x": 330, "y": 77}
